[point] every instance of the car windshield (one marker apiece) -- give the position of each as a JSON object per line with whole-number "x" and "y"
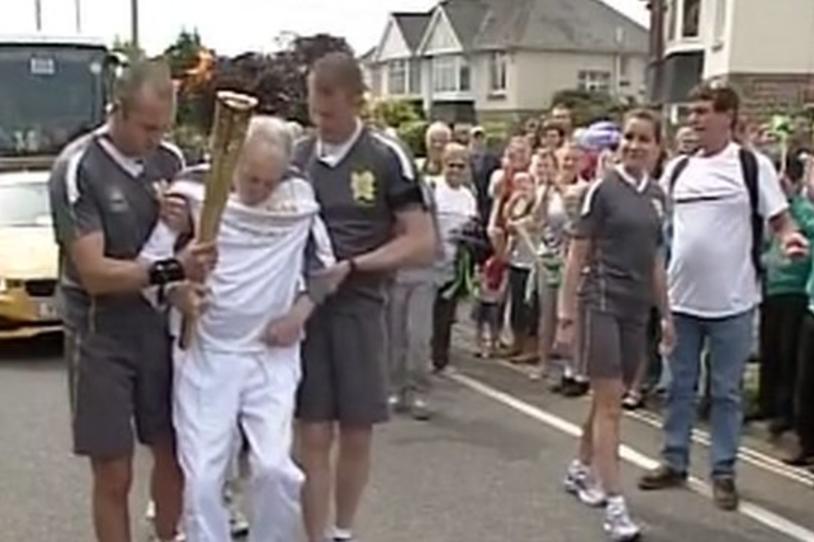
{"x": 58, "y": 93}
{"x": 24, "y": 205}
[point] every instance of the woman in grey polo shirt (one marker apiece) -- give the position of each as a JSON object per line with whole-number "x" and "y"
{"x": 615, "y": 268}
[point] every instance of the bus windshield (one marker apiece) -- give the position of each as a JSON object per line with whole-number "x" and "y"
{"x": 56, "y": 93}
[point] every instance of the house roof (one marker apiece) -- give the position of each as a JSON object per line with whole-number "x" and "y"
{"x": 566, "y": 25}
{"x": 368, "y": 56}
{"x": 412, "y": 26}
{"x": 468, "y": 16}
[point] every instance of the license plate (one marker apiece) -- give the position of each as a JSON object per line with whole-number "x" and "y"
{"x": 47, "y": 310}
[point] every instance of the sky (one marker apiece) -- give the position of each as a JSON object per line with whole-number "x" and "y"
{"x": 229, "y": 27}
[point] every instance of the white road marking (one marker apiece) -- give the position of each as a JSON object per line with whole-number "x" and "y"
{"x": 745, "y": 454}
{"x": 758, "y": 513}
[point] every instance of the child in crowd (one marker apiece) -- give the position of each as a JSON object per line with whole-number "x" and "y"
{"x": 522, "y": 254}
{"x": 492, "y": 283}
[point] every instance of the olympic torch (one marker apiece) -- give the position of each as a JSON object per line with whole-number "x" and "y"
{"x": 232, "y": 114}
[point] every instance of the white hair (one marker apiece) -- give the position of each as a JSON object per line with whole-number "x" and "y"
{"x": 438, "y": 128}
{"x": 273, "y": 132}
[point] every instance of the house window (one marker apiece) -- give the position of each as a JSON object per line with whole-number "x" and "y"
{"x": 672, "y": 20}
{"x": 443, "y": 74}
{"x": 497, "y": 72}
{"x": 415, "y": 77}
{"x": 691, "y": 19}
{"x": 624, "y": 67}
{"x": 720, "y": 20}
{"x": 594, "y": 81}
{"x": 397, "y": 77}
{"x": 464, "y": 76}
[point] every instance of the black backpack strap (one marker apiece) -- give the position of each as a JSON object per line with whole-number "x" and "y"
{"x": 749, "y": 167}
{"x": 679, "y": 168}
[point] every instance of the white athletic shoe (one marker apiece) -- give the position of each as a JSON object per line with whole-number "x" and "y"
{"x": 574, "y": 475}
{"x": 581, "y": 483}
{"x": 591, "y": 494}
{"x": 618, "y": 525}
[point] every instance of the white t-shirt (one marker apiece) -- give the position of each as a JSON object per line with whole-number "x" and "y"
{"x": 260, "y": 261}
{"x": 711, "y": 273}
{"x": 455, "y": 207}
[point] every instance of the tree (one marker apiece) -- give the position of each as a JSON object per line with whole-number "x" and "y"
{"x": 126, "y": 48}
{"x": 279, "y": 80}
{"x": 184, "y": 54}
{"x": 589, "y": 107}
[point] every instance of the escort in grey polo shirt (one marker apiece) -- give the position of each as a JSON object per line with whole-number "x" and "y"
{"x": 623, "y": 220}
{"x": 117, "y": 345}
{"x": 360, "y": 187}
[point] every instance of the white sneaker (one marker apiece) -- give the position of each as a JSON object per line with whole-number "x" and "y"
{"x": 574, "y": 475}
{"x": 580, "y": 482}
{"x": 591, "y": 493}
{"x": 618, "y": 525}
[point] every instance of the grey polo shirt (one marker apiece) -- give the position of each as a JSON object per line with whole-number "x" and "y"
{"x": 360, "y": 187}
{"x": 95, "y": 188}
{"x": 623, "y": 220}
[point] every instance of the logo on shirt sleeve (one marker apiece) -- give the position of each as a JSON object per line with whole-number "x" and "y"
{"x": 363, "y": 186}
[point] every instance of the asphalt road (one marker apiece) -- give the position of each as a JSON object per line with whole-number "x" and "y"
{"x": 488, "y": 467}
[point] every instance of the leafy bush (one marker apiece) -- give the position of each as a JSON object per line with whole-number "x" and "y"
{"x": 589, "y": 107}
{"x": 192, "y": 141}
{"x": 497, "y": 134}
{"x": 394, "y": 113}
{"x": 412, "y": 134}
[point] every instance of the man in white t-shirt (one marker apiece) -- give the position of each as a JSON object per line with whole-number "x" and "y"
{"x": 455, "y": 207}
{"x": 720, "y": 195}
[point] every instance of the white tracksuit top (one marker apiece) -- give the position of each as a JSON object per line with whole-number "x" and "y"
{"x": 261, "y": 260}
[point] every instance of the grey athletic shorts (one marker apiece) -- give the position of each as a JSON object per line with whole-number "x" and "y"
{"x": 117, "y": 378}
{"x": 613, "y": 347}
{"x": 345, "y": 365}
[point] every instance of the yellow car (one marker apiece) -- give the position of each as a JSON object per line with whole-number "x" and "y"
{"x": 28, "y": 257}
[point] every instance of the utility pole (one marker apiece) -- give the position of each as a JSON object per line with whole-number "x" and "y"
{"x": 657, "y": 9}
{"x": 134, "y": 38}
{"x": 38, "y": 14}
{"x": 78, "y": 14}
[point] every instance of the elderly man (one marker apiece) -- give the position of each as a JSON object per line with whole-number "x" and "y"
{"x": 105, "y": 199}
{"x": 244, "y": 356}
{"x": 375, "y": 212}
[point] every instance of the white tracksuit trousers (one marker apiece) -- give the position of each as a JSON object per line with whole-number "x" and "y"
{"x": 214, "y": 394}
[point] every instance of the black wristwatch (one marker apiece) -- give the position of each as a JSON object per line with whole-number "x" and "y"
{"x": 166, "y": 271}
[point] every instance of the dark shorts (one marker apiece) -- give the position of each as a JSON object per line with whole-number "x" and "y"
{"x": 345, "y": 366}
{"x": 613, "y": 347}
{"x": 117, "y": 380}
{"x": 487, "y": 314}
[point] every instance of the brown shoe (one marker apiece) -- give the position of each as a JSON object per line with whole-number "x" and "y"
{"x": 663, "y": 477}
{"x": 725, "y": 494}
